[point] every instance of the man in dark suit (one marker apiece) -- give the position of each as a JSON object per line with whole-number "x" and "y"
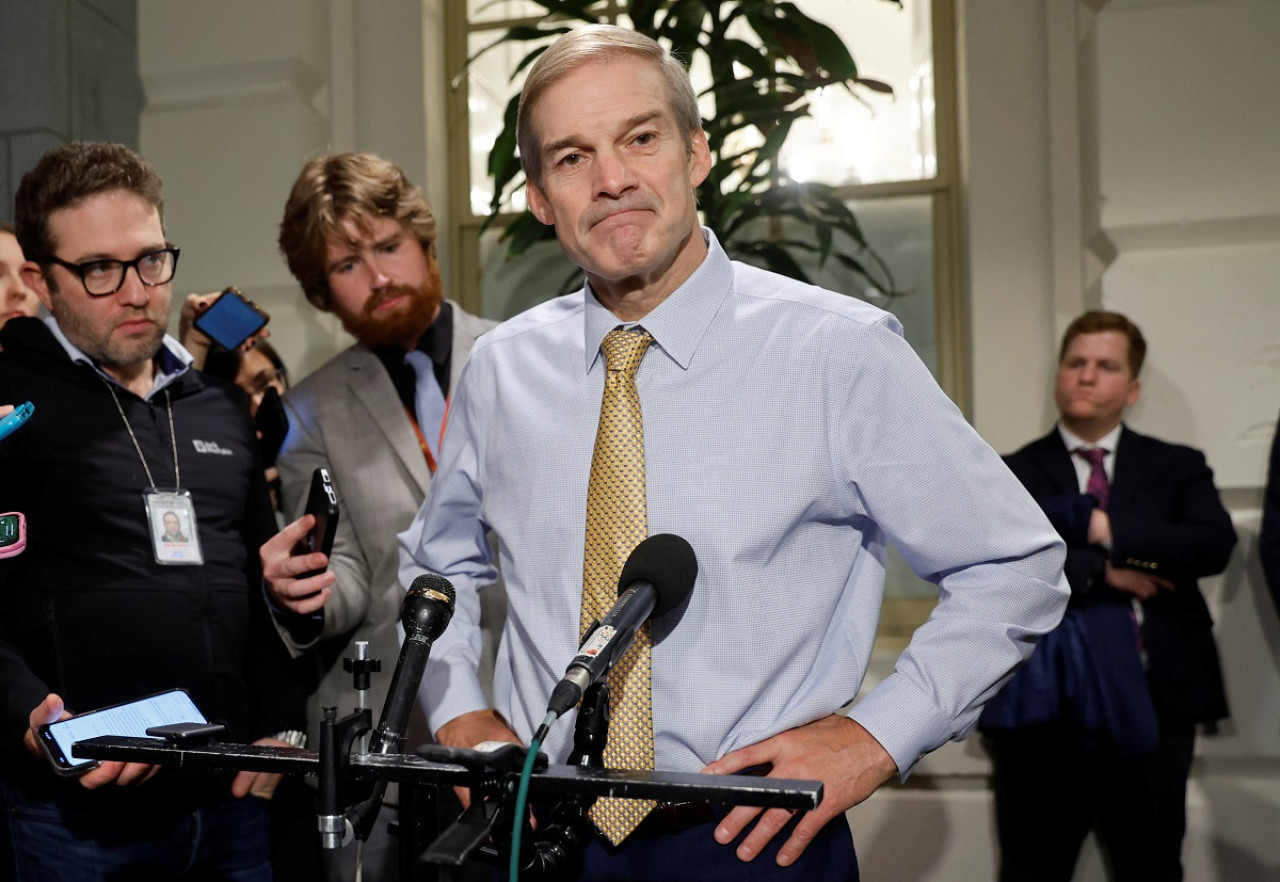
{"x": 1097, "y": 730}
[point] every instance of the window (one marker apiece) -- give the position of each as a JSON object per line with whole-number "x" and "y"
{"x": 894, "y": 159}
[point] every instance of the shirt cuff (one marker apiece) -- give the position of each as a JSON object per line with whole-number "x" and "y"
{"x": 903, "y": 719}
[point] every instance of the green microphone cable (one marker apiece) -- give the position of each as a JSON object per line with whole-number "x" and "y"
{"x": 522, "y": 795}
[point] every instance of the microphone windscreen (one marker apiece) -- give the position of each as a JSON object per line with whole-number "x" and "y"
{"x": 432, "y": 582}
{"x": 667, "y": 562}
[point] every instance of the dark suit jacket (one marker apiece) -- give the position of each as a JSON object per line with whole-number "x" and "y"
{"x": 1167, "y": 520}
{"x": 1269, "y": 537}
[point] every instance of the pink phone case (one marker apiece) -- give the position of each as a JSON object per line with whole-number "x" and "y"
{"x": 7, "y": 531}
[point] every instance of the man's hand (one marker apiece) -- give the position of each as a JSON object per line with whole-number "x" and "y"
{"x": 260, "y": 784}
{"x": 281, "y": 568}
{"x": 1143, "y": 586}
{"x": 1099, "y": 528}
{"x": 471, "y": 729}
{"x": 48, "y": 711}
{"x": 193, "y": 340}
{"x": 835, "y": 750}
{"x": 124, "y": 774}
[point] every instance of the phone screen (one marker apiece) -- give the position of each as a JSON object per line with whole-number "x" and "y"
{"x": 13, "y": 533}
{"x": 230, "y": 320}
{"x": 130, "y": 719}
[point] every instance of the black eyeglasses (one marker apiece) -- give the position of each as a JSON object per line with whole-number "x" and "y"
{"x": 103, "y": 277}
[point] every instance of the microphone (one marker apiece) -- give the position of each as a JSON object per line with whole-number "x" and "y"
{"x": 656, "y": 578}
{"x": 426, "y": 612}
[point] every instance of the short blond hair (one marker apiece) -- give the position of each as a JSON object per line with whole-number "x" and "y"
{"x": 592, "y": 43}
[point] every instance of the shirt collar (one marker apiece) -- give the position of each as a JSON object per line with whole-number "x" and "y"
{"x": 678, "y": 323}
{"x": 1074, "y": 442}
{"x": 172, "y": 360}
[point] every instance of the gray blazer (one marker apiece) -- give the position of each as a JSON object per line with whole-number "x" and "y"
{"x": 347, "y": 417}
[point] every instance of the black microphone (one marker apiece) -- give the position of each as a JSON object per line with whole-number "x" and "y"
{"x": 426, "y": 612}
{"x": 656, "y": 578}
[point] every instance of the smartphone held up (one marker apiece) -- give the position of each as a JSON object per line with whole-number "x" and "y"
{"x": 231, "y": 319}
{"x": 322, "y": 502}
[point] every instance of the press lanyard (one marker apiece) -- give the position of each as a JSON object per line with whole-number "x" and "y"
{"x": 422, "y": 441}
{"x": 173, "y": 436}
{"x": 171, "y": 515}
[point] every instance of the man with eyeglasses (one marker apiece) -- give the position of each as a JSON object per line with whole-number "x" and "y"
{"x": 99, "y": 610}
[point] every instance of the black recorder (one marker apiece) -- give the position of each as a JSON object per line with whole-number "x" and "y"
{"x": 322, "y": 502}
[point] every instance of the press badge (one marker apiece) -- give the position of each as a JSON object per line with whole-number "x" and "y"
{"x": 172, "y": 519}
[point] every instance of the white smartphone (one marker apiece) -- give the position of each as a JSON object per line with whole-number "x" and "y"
{"x": 132, "y": 718}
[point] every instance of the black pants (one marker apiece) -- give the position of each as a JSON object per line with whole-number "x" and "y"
{"x": 1050, "y": 791}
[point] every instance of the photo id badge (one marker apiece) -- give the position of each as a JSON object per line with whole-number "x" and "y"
{"x": 172, "y": 519}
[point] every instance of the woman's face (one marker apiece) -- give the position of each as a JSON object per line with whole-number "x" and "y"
{"x": 256, "y": 375}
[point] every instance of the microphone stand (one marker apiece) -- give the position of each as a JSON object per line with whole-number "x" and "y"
{"x": 348, "y": 775}
{"x": 337, "y": 738}
{"x": 558, "y": 846}
{"x": 485, "y": 829}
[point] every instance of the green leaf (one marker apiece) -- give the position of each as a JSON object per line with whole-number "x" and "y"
{"x": 525, "y": 232}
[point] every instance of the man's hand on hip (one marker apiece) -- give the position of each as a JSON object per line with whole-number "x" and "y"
{"x": 835, "y": 750}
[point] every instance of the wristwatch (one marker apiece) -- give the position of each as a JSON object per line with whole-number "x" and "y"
{"x": 292, "y": 737}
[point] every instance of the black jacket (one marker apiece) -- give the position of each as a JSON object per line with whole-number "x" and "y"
{"x": 1166, "y": 519}
{"x": 85, "y": 611}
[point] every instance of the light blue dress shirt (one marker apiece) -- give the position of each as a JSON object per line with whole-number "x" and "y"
{"x": 790, "y": 435}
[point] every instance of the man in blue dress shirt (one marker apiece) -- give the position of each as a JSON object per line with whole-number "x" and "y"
{"x": 790, "y": 434}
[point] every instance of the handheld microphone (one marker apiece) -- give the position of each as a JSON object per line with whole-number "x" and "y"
{"x": 656, "y": 578}
{"x": 426, "y": 612}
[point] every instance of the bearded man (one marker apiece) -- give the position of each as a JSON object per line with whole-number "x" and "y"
{"x": 360, "y": 239}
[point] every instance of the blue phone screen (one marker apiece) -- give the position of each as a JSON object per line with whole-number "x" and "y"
{"x": 230, "y": 321}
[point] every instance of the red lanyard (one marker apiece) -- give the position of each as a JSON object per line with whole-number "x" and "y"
{"x": 422, "y": 441}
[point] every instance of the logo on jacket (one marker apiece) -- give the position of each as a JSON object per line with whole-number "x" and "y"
{"x": 210, "y": 447}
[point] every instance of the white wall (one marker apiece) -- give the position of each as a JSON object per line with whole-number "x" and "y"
{"x": 240, "y": 93}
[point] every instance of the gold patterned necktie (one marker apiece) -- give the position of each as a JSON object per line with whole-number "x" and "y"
{"x": 617, "y": 521}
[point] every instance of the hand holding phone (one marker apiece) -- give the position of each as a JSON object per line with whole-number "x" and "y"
{"x": 131, "y": 718}
{"x": 322, "y": 502}
{"x": 231, "y": 319}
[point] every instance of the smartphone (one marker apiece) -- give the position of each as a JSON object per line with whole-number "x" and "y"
{"x": 322, "y": 502}
{"x": 132, "y": 718}
{"x": 231, "y": 319}
{"x": 272, "y": 421}
{"x": 16, "y": 418}
{"x": 13, "y": 534}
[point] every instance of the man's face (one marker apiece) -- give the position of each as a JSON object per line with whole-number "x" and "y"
{"x": 118, "y": 330}
{"x": 16, "y": 299}
{"x": 386, "y": 289}
{"x": 617, "y": 180}
{"x": 171, "y": 523}
{"x": 1094, "y": 384}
